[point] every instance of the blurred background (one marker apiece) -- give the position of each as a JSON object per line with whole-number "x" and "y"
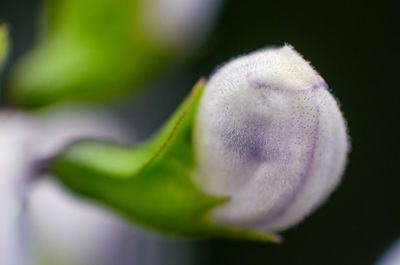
{"x": 353, "y": 45}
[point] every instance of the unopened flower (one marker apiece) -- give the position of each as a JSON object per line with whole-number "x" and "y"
{"x": 270, "y": 137}
{"x": 254, "y": 153}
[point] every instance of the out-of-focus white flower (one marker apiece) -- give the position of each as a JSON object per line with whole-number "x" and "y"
{"x": 391, "y": 256}
{"x": 60, "y": 227}
{"x": 270, "y": 137}
{"x": 177, "y": 23}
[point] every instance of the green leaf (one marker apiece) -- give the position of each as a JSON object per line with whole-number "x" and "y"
{"x": 151, "y": 183}
{"x": 90, "y": 50}
{"x": 4, "y": 44}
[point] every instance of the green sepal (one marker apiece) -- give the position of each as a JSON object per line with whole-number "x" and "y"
{"x": 151, "y": 183}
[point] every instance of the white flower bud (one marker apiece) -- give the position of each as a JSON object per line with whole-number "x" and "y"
{"x": 271, "y": 138}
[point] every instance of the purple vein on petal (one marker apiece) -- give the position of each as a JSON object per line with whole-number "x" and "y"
{"x": 304, "y": 175}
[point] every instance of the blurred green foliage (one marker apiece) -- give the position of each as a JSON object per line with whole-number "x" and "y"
{"x": 151, "y": 183}
{"x": 3, "y": 44}
{"x": 89, "y": 50}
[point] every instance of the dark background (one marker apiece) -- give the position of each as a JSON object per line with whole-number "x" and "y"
{"x": 354, "y": 46}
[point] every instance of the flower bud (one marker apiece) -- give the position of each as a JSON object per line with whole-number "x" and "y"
{"x": 270, "y": 137}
